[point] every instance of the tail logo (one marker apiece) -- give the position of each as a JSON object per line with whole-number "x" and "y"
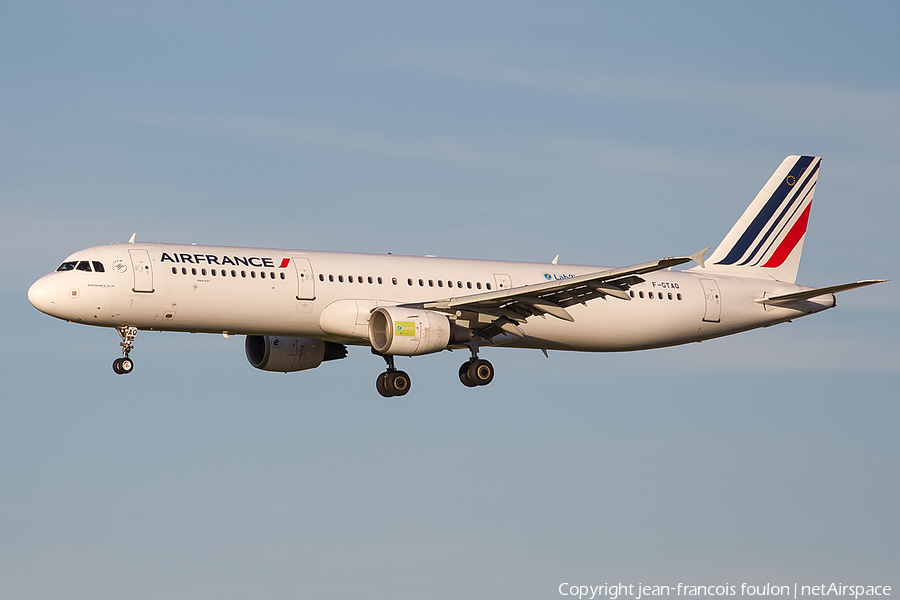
{"x": 780, "y": 221}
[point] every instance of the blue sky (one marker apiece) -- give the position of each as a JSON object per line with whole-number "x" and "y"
{"x": 606, "y": 133}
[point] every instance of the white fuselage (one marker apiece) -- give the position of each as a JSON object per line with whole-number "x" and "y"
{"x": 329, "y": 296}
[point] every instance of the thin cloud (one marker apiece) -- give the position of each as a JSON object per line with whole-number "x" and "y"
{"x": 269, "y": 129}
{"x": 860, "y": 112}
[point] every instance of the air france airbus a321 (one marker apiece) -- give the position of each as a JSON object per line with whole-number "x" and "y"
{"x": 300, "y": 308}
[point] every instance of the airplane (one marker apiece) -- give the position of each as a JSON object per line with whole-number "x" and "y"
{"x": 299, "y": 309}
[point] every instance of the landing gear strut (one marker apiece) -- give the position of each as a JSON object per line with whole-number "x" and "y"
{"x": 476, "y": 371}
{"x": 124, "y": 365}
{"x": 392, "y": 382}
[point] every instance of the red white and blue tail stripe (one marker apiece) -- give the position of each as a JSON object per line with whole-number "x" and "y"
{"x": 767, "y": 240}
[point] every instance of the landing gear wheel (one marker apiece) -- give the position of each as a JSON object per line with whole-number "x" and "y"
{"x": 123, "y": 366}
{"x": 481, "y": 372}
{"x": 464, "y": 374}
{"x": 381, "y": 385}
{"x": 392, "y": 383}
{"x": 398, "y": 382}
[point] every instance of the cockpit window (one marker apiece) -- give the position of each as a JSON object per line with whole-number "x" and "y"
{"x": 84, "y": 266}
{"x": 98, "y": 266}
{"x": 67, "y": 266}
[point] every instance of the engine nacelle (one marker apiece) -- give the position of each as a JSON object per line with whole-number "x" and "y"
{"x": 288, "y": 354}
{"x": 410, "y": 331}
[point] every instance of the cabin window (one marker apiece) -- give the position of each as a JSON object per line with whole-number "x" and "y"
{"x": 394, "y": 280}
{"x": 430, "y": 283}
{"x": 478, "y": 284}
{"x": 193, "y": 271}
{"x": 98, "y": 266}
{"x": 678, "y": 296}
{"x": 184, "y": 270}
{"x": 670, "y": 295}
{"x": 409, "y": 281}
{"x": 174, "y": 271}
{"x": 321, "y": 277}
{"x": 243, "y": 273}
{"x": 340, "y": 279}
{"x": 203, "y": 272}
{"x": 213, "y": 272}
{"x": 369, "y": 279}
{"x": 641, "y": 294}
{"x": 469, "y": 284}
{"x": 379, "y": 281}
{"x": 487, "y": 285}
{"x": 631, "y": 293}
{"x": 440, "y": 283}
{"x": 459, "y": 284}
{"x": 253, "y": 274}
{"x": 282, "y": 275}
{"x": 421, "y": 283}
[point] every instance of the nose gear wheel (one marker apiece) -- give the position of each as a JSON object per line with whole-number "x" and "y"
{"x": 124, "y": 365}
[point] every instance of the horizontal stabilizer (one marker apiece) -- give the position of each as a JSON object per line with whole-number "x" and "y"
{"x": 815, "y": 293}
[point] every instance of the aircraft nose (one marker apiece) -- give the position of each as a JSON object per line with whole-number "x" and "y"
{"x": 42, "y": 295}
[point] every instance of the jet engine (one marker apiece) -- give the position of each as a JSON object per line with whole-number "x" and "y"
{"x": 288, "y": 354}
{"x": 409, "y": 332}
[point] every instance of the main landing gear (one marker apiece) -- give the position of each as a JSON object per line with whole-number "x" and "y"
{"x": 124, "y": 365}
{"x": 392, "y": 382}
{"x": 476, "y": 371}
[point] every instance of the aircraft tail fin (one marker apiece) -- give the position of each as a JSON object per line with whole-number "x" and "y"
{"x": 767, "y": 240}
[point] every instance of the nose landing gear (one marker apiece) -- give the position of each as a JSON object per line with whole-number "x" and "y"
{"x": 392, "y": 382}
{"x": 124, "y": 365}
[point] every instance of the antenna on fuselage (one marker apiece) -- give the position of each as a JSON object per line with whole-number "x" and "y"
{"x": 555, "y": 260}
{"x": 131, "y": 241}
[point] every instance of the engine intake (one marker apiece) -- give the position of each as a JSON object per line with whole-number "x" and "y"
{"x": 410, "y": 332}
{"x": 289, "y": 354}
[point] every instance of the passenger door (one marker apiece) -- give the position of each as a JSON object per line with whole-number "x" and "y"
{"x": 713, "y": 312}
{"x": 143, "y": 273}
{"x": 306, "y": 285}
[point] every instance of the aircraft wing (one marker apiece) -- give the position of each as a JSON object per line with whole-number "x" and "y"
{"x": 505, "y": 309}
